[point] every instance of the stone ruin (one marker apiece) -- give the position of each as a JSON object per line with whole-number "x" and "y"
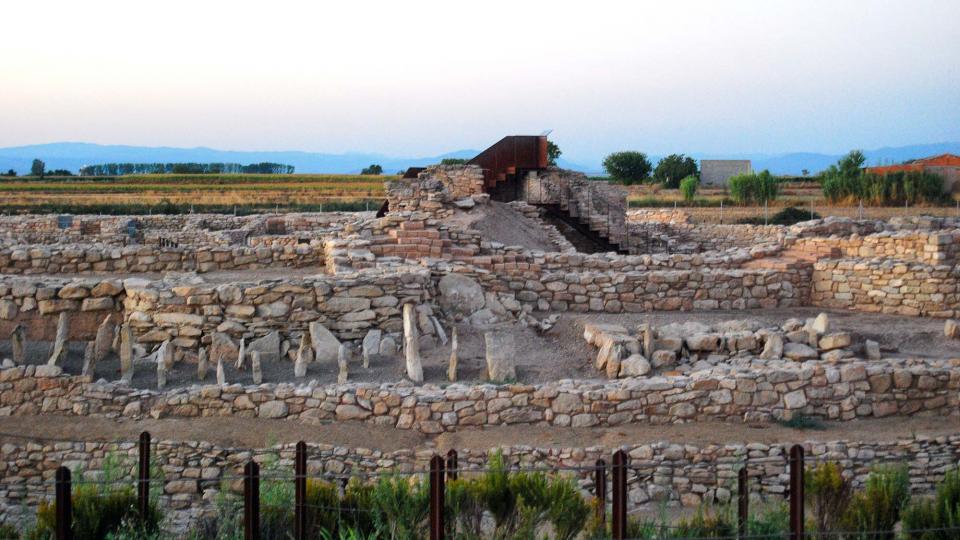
{"x": 224, "y": 315}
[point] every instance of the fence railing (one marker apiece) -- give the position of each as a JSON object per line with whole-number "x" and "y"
{"x": 442, "y": 469}
{"x": 611, "y": 484}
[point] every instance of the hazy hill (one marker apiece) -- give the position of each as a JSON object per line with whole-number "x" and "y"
{"x": 71, "y": 156}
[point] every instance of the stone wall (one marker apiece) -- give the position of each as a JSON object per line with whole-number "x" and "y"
{"x": 934, "y": 248}
{"x": 664, "y": 471}
{"x": 887, "y": 286}
{"x": 767, "y": 390}
{"x": 435, "y": 187}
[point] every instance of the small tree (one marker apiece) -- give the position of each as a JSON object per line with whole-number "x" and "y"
{"x": 628, "y": 167}
{"x": 11, "y": 173}
{"x": 37, "y": 168}
{"x": 373, "y": 169}
{"x": 688, "y": 187}
{"x": 674, "y": 168}
{"x": 553, "y": 153}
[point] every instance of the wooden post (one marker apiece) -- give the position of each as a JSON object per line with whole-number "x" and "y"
{"x": 796, "y": 492}
{"x": 143, "y": 476}
{"x": 64, "y": 514}
{"x": 436, "y": 498}
{"x": 600, "y": 488}
{"x": 251, "y": 501}
{"x": 743, "y": 501}
{"x": 618, "y": 524}
{"x": 300, "y": 492}
{"x": 453, "y": 465}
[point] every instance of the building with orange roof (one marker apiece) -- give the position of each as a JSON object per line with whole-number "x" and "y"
{"x": 946, "y": 166}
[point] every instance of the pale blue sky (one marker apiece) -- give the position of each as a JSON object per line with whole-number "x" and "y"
{"x": 421, "y": 78}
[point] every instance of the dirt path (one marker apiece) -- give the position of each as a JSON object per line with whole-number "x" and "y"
{"x": 258, "y": 432}
{"x": 500, "y": 223}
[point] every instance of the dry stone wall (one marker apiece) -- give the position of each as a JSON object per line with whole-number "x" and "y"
{"x": 762, "y": 392}
{"x": 666, "y": 472}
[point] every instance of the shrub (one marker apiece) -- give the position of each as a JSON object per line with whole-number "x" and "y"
{"x": 99, "y": 511}
{"x": 846, "y": 182}
{"x": 673, "y": 168}
{"x": 627, "y": 167}
{"x": 788, "y": 216}
{"x": 940, "y": 514}
{"x": 828, "y": 495}
{"x": 754, "y": 187}
{"x": 688, "y": 187}
{"x": 877, "y": 507}
{"x": 8, "y": 532}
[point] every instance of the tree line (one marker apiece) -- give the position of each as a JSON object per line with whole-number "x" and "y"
{"x": 119, "y": 169}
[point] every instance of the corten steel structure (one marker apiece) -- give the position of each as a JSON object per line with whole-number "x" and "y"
{"x": 946, "y": 166}
{"x": 505, "y": 163}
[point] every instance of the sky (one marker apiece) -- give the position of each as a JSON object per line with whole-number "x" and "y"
{"x": 422, "y": 78}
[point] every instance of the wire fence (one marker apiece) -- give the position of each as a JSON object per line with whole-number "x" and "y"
{"x": 277, "y": 495}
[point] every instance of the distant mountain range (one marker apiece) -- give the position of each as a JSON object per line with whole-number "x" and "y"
{"x": 72, "y": 156}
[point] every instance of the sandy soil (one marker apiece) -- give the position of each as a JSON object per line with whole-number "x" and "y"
{"x": 500, "y": 223}
{"x": 560, "y": 354}
{"x": 258, "y": 432}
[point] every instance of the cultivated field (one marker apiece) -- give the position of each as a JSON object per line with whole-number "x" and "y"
{"x": 178, "y": 193}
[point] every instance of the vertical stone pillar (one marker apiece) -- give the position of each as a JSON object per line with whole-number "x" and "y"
{"x": 126, "y": 354}
{"x": 411, "y": 344}
{"x": 18, "y": 342}
{"x": 60, "y": 343}
{"x": 454, "y": 359}
{"x": 255, "y": 370}
{"x": 202, "y": 364}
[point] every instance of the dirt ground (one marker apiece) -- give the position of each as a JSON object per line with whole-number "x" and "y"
{"x": 560, "y": 354}
{"x": 500, "y": 223}
{"x": 259, "y": 432}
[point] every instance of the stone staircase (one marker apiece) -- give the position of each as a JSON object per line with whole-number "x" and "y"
{"x": 598, "y": 207}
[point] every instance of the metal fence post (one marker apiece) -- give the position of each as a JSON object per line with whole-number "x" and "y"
{"x": 143, "y": 476}
{"x": 64, "y": 515}
{"x": 436, "y": 498}
{"x": 300, "y": 491}
{"x": 618, "y": 518}
{"x": 251, "y": 501}
{"x": 453, "y": 465}
{"x": 743, "y": 501}
{"x": 796, "y": 492}
{"x": 600, "y": 485}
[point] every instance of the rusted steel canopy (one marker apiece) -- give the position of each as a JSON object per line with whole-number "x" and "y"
{"x": 511, "y": 154}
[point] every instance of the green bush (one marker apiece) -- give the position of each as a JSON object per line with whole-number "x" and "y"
{"x": 99, "y": 511}
{"x": 828, "y": 495}
{"x": 8, "y": 532}
{"x": 846, "y": 182}
{"x": 688, "y": 187}
{"x": 673, "y": 168}
{"x": 939, "y": 514}
{"x": 752, "y": 188}
{"x": 877, "y": 507}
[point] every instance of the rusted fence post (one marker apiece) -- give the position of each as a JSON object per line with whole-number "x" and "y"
{"x": 453, "y": 465}
{"x": 618, "y": 518}
{"x": 300, "y": 492}
{"x": 143, "y": 476}
{"x": 251, "y": 501}
{"x": 743, "y": 502}
{"x": 436, "y": 498}
{"x": 64, "y": 515}
{"x": 600, "y": 486}
{"x": 796, "y": 492}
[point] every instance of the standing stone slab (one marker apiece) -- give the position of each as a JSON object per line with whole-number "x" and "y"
{"x": 89, "y": 360}
{"x": 104, "y": 339}
{"x": 303, "y": 358}
{"x": 242, "y": 354}
{"x": 343, "y": 363}
{"x": 454, "y": 359}
{"x": 126, "y": 354}
{"x": 221, "y": 374}
{"x": 411, "y": 344}
{"x": 371, "y": 346}
{"x": 255, "y": 369}
{"x": 325, "y": 344}
{"x": 501, "y": 353}
{"x": 202, "y": 364}
{"x": 18, "y": 342}
{"x": 268, "y": 346}
{"x": 60, "y": 343}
